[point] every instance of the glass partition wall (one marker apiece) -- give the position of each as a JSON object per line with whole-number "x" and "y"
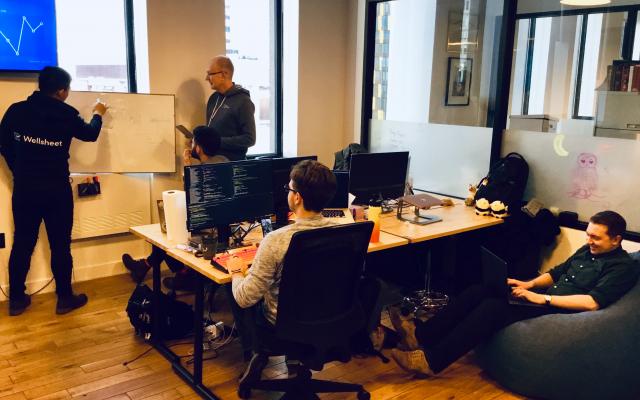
{"x": 573, "y": 106}
{"x": 428, "y": 88}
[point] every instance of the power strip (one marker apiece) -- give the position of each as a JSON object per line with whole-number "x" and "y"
{"x": 213, "y": 331}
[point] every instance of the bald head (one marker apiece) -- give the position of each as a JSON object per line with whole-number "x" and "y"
{"x": 223, "y": 63}
{"x": 220, "y": 74}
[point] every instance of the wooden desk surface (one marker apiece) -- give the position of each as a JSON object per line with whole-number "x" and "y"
{"x": 153, "y": 234}
{"x": 456, "y": 219}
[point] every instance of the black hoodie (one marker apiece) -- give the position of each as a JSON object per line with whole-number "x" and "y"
{"x": 35, "y": 136}
{"x": 232, "y": 114}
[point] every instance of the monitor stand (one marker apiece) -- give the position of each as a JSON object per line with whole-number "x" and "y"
{"x": 224, "y": 233}
{"x": 419, "y": 217}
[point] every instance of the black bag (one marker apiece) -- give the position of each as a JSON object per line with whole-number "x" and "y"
{"x": 506, "y": 182}
{"x": 343, "y": 157}
{"x": 176, "y": 316}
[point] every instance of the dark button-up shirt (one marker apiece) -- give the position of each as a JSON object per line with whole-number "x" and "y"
{"x": 605, "y": 277}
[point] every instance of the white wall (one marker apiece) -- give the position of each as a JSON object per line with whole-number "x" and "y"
{"x": 183, "y": 36}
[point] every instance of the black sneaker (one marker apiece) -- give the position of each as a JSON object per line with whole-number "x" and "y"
{"x": 18, "y": 305}
{"x": 69, "y": 303}
{"x": 138, "y": 268}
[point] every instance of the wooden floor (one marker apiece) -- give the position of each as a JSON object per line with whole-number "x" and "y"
{"x": 82, "y": 355}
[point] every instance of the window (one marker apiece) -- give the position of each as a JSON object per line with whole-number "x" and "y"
{"x": 95, "y": 54}
{"x": 591, "y": 27}
{"x": 252, "y": 45}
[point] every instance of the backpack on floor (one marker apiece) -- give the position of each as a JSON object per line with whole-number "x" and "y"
{"x": 506, "y": 182}
{"x": 176, "y": 317}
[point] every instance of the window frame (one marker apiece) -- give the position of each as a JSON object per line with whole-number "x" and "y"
{"x": 277, "y": 101}
{"x": 626, "y": 48}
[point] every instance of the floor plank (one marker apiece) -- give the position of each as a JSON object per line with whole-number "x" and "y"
{"x": 44, "y": 356}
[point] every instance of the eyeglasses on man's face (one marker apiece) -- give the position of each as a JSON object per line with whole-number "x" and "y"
{"x": 210, "y": 74}
{"x": 287, "y": 189}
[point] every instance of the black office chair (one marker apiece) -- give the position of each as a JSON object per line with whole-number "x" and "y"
{"x": 318, "y": 311}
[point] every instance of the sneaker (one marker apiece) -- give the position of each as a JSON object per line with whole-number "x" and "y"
{"x": 67, "y": 304}
{"x": 412, "y": 361}
{"x": 17, "y": 306}
{"x": 405, "y": 328}
{"x": 138, "y": 268}
{"x": 253, "y": 373}
{"x": 377, "y": 338}
{"x": 185, "y": 282}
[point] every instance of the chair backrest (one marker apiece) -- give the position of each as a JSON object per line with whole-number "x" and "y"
{"x": 317, "y": 303}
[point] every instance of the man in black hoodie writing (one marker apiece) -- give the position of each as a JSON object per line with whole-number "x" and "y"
{"x": 35, "y": 136}
{"x": 230, "y": 110}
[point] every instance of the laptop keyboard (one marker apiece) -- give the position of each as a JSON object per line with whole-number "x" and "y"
{"x": 333, "y": 213}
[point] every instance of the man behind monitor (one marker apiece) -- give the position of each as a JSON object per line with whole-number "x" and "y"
{"x": 594, "y": 277}
{"x": 204, "y": 148}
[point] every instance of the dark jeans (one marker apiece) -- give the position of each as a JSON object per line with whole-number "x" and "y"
{"x": 245, "y": 320}
{"x": 32, "y": 204}
{"x": 470, "y": 319}
{"x": 158, "y": 255}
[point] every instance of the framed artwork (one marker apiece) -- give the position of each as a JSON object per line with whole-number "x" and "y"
{"x": 458, "y": 81}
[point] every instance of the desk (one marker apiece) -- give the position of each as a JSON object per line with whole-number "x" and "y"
{"x": 204, "y": 269}
{"x": 456, "y": 219}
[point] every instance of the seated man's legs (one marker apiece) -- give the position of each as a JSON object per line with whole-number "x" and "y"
{"x": 245, "y": 321}
{"x": 469, "y": 320}
{"x": 184, "y": 279}
{"x": 139, "y": 268}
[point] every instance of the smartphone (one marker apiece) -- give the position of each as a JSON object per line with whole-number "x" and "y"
{"x": 266, "y": 226}
{"x": 187, "y": 133}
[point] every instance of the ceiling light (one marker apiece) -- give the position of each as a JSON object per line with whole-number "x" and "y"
{"x": 584, "y": 2}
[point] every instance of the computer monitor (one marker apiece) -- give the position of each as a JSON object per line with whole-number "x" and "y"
{"x": 280, "y": 169}
{"x": 225, "y": 193}
{"x": 375, "y": 175}
{"x": 341, "y": 198}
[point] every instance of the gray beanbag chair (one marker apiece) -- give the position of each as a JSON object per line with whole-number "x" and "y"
{"x": 588, "y": 355}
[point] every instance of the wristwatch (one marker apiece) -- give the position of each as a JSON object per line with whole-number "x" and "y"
{"x": 547, "y": 299}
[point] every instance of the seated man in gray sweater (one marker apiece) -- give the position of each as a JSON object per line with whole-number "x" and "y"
{"x": 312, "y": 185}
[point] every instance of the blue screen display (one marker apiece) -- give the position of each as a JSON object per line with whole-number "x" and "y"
{"x": 27, "y": 35}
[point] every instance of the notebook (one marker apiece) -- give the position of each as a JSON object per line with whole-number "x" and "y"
{"x": 337, "y": 210}
{"x": 495, "y": 274}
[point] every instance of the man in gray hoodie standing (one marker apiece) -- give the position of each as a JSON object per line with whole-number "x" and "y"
{"x": 230, "y": 110}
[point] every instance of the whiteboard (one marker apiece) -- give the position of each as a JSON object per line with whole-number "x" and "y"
{"x": 138, "y": 134}
{"x": 580, "y": 174}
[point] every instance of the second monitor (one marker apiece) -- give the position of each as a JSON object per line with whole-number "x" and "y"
{"x": 378, "y": 175}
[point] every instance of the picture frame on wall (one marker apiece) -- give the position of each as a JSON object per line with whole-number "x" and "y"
{"x": 458, "y": 81}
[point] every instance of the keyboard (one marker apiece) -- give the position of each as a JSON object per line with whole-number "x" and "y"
{"x": 333, "y": 213}
{"x": 246, "y": 254}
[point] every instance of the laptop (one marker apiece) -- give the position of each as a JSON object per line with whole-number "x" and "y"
{"x": 495, "y": 274}
{"x": 338, "y": 208}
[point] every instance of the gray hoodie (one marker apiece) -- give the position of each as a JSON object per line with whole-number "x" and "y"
{"x": 232, "y": 115}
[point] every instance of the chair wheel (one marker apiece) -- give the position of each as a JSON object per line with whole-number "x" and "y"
{"x": 364, "y": 395}
{"x": 244, "y": 392}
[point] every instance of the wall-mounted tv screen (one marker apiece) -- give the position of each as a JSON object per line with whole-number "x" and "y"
{"x": 27, "y": 35}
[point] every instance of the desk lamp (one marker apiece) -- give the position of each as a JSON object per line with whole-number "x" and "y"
{"x": 419, "y": 202}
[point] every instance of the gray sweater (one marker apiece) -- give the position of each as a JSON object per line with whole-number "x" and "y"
{"x": 232, "y": 114}
{"x": 263, "y": 279}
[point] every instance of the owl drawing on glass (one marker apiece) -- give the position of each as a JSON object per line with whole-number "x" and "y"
{"x": 584, "y": 177}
